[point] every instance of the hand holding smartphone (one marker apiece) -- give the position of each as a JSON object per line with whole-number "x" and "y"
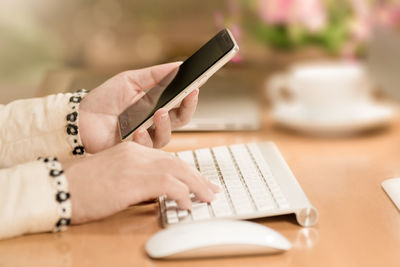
{"x": 168, "y": 93}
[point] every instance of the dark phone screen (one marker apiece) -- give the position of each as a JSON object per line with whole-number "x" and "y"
{"x": 174, "y": 83}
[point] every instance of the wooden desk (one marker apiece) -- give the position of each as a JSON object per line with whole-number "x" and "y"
{"x": 358, "y": 226}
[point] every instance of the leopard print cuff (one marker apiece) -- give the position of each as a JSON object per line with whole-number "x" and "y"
{"x": 72, "y": 123}
{"x": 62, "y": 196}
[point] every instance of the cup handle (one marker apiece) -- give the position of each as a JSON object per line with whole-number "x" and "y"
{"x": 274, "y": 86}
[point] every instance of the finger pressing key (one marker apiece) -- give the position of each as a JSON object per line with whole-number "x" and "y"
{"x": 196, "y": 182}
{"x": 177, "y": 191}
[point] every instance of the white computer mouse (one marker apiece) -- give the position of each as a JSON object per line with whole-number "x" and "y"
{"x": 215, "y": 238}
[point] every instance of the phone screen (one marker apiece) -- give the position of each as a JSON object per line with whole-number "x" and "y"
{"x": 174, "y": 83}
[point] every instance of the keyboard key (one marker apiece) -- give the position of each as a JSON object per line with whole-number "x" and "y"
{"x": 186, "y": 219}
{"x": 220, "y": 206}
{"x": 205, "y": 159}
{"x": 272, "y": 184}
{"x": 200, "y": 211}
{"x": 187, "y": 156}
{"x": 262, "y": 165}
{"x": 171, "y": 204}
{"x": 182, "y": 213}
{"x": 255, "y": 184}
{"x": 172, "y": 216}
{"x": 237, "y": 192}
{"x": 220, "y": 212}
{"x": 207, "y": 166}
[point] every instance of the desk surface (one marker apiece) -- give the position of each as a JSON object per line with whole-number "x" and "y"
{"x": 358, "y": 226}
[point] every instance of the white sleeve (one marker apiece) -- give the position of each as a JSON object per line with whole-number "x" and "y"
{"x": 33, "y": 198}
{"x": 40, "y": 127}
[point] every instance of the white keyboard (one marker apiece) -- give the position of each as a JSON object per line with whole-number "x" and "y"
{"x": 251, "y": 188}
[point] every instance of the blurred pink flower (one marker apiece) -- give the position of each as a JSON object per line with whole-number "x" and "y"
{"x": 396, "y": 15}
{"x": 361, "y": 24}
{"x": 309, "y": 13}
{"x": 388, "y": 15}
{"x": 276, "y": 11}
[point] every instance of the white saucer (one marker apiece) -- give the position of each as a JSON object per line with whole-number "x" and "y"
{"x": 358, "y": 117}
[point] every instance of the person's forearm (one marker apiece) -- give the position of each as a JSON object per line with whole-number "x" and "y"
{"x": 34, "y": 197}
{"x": 40, "y": 127}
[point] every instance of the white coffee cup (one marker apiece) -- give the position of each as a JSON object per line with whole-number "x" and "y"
{"x": 323, "y": 89}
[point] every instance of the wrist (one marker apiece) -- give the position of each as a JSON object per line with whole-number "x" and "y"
{"x": 72, "y": 173}
{"x": 82, "y": 125}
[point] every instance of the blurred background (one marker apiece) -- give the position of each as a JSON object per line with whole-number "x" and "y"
{"x": 42, "y": 42}
{"x": 37, "y": 36}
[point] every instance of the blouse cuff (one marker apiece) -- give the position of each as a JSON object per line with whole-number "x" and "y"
{"x": 72, "y": 122}
{"x": 61, "y": 196}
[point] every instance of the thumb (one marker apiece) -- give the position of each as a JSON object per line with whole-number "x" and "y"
{"x": 146, "y": 78}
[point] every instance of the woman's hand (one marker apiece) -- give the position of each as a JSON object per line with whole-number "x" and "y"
{"x": 99, "y": 110}
{"x": 129, "y": 173}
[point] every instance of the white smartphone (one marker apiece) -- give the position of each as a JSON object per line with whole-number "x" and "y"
{"x": 191, "y": 74}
